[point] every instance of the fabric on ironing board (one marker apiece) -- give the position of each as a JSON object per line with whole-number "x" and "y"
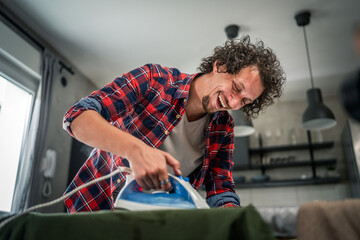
{"x": 329, "y": 220}
{"x": 217, "y": 223}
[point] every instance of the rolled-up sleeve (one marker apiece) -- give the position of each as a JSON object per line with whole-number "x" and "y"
{"x": 115, "y": 100}
{"x": 225, "y": 199}
{"x": 219, "y": 182}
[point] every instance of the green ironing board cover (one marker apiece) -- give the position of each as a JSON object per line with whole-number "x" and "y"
{"x": 217, "y": 223}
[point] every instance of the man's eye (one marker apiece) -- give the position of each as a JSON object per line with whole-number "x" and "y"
{"x": 246, "y": 101}
{"x": 236, "y": 88}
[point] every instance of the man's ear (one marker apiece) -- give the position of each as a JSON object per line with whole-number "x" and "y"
{"x": 215, "y": 69}
{"x": 220, "y": 69}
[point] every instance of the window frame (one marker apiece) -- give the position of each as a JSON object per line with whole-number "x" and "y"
{"x": 25, "y": 78}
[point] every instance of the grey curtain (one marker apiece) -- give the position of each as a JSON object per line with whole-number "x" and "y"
{"x": 33, "y": 151}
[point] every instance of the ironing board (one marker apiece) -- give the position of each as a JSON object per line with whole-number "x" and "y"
{"x": 219, "y": 223}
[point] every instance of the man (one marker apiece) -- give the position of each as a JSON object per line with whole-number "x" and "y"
{"x": 186, "y": 115}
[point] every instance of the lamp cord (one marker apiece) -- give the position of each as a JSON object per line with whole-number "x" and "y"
{"x": 308, "y": 57}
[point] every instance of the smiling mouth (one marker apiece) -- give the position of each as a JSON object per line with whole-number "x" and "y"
{"x": 222, "y": 102}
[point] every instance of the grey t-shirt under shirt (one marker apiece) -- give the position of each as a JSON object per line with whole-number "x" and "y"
{"x": 186, "y": 143}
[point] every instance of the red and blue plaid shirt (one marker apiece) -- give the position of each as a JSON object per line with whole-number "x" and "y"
{"x": 148, "y": 102}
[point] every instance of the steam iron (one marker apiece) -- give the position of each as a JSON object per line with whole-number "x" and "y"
{"x": 183, "y": 196}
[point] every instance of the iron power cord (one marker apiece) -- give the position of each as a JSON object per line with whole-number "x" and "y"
{"x": 118, "y": 170}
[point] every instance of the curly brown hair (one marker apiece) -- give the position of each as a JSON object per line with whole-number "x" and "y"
{"x": 240, "y": 53}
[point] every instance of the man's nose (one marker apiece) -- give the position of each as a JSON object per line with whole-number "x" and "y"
{"x": 235, "y": 101}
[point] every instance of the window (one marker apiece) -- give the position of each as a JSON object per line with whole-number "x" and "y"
{"x": 19, "y": 115}
{"x": 15, "y": 109}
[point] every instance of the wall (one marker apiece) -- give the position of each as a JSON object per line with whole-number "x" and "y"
{"x": 275, "y": 126}
{"x": 58, "y": 139}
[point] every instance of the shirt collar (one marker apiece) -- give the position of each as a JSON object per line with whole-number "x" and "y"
{"x": 183, "y": 89}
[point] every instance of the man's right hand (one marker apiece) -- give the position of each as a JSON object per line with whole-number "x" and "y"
{"x": 149, "y": 166}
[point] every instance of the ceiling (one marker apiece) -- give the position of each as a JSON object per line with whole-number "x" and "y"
{"x": 104, "y": 39}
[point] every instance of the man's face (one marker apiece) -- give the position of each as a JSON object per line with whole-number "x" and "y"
{"x": 232, "y": 92}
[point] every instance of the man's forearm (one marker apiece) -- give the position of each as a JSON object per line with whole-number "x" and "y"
{"x": 92, "y": 129}
{"x": 148, "y": 164}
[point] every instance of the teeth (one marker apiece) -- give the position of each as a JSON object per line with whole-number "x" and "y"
{"x": 222, "y": 102}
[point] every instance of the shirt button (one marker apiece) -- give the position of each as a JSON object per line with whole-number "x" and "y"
{"x": 178, "y": 116}
{"x": 166, "y": 132}
{"x": 118, "y": 181}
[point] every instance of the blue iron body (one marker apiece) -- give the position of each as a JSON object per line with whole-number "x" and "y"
{"x": 183, "y": 196}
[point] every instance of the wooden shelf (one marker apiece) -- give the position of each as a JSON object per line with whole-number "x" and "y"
{"x": 287, "y": 182}
{"x": 282, "y": 148}
{"x": 302, "y": 163}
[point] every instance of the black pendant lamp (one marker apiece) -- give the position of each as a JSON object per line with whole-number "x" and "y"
{"x": 317, "y": 116}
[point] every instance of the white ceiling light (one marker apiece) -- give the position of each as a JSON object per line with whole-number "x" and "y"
{"x": 243, "y": 126}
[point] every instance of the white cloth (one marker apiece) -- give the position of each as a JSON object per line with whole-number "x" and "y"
{"x": 186, "y": 143}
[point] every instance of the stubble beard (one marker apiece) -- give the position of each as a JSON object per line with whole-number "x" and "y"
{"x": 205, "y": 103}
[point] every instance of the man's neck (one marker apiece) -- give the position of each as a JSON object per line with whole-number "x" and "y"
{"x": 194, "y": 108}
